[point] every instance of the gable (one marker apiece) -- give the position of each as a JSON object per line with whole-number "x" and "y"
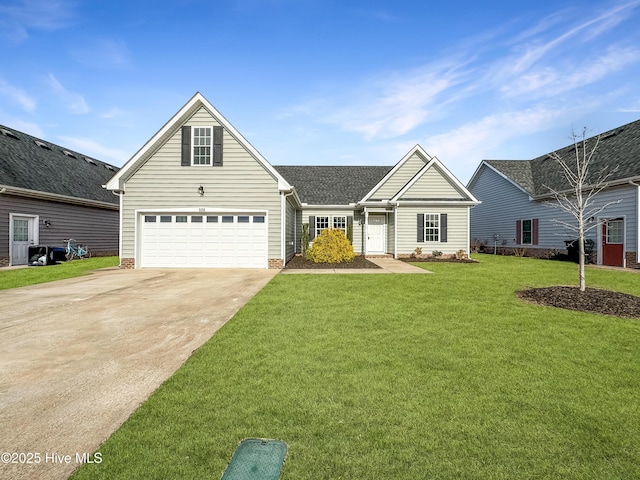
{"x": 196, "y": 112}
{"x": 433, "y": 184}
{"x": 404, "y": 171}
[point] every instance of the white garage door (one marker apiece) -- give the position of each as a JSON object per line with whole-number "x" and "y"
{"x": 204, "y": 240}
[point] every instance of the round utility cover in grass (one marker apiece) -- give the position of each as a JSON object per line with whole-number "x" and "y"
{"x": 256, "y": 459}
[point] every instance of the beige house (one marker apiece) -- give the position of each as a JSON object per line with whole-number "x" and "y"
{"x": 198, "y": 194}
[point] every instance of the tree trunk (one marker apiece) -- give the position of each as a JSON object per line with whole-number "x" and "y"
{"x": 581, "y": 260}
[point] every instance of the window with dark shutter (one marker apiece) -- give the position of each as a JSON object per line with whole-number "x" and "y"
{"x": 217, "y": 146}
{"x": 312, "y": 227}
{"x": 186, "y": 146}
{"x": 421, "y": 228}
{"x": 443, "y": 227}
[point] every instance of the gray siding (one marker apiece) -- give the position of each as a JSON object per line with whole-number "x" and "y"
{"x": 457, "y": 231}
{"x": 291, "y": 226}
{"x": 503, "y": 204}
{"x": 399, "y": 179}
{"x": 241, "y": 183}
{"x": 432, "y": 185}
{"x": 96, "y": 227}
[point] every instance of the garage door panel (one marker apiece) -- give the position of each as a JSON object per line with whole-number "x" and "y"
{"x": 213, "y": 241}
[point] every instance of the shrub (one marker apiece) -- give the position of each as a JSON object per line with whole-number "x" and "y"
{"x": 331, "y": 246}
{"x": 417, "y": 252}
{"x": 436, "y": 253}
{"x": 461, "y": 255}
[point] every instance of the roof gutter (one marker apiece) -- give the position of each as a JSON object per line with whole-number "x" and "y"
{"x": 631, "y": 182}
{"x": 55, "y": 197}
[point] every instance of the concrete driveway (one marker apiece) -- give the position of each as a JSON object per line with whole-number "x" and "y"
{"x": 78, "y": 356}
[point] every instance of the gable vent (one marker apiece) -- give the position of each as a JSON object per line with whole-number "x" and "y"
{"x": 69, "y": 154}
{"x": 88, "y": 160}
{"x": 10, "y": 134}
{"x": 42, "y": 145}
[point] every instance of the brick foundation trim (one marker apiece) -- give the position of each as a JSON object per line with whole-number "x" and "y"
{"x": 631, "y": 260}
{"x": 275, "y": 263}
{"x": 127, "y": 263}
{"x": 4, "y": 261}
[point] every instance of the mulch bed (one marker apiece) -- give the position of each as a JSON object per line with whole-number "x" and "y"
{"x": 592, "y": 300}
{"x": 301, "y": 262}
{"x": 438, "y": 260}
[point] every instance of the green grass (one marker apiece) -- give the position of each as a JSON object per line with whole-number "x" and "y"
{"x": 22, "y": 277}
{"x": 403, "y": 377}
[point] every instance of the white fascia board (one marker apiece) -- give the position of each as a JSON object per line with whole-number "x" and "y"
{"x": 449, "y": 176}
{"x": 115, "y": 183}
{"x": 404, "y": 159}
{"x": 311, "y": 206}
{"x": 416, "y": 203}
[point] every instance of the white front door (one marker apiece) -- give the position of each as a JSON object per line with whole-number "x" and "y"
{"x": 375, "y": 234}
{"x": 23, "y": 235}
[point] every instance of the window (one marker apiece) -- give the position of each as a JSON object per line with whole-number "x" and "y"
{"x": 196, "y": 219}
{"x": 526, "y": 232}
{"x": 243, "y": 219}
{"x": 212, "y": 219}
{"x": 340, "y": 223}
{"x": 165, "y": 218}
{"x": 258, "y": 219}
{"x": 227, "y": 219}
{"x": 20, "y": 230}
{"x": 322, "y": 223}
{"x": 181, "y": 219}
{"x": 614, "y": 231}
{"x": 202, "y": 145}
{"x": 150, "y": 219}
{"x": 431, "y": 227}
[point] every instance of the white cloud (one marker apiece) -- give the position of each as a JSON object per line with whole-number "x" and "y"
{"x": 17, "y": 95}
{"x": 19, "y": 17}
{"x": 74, "y": 102}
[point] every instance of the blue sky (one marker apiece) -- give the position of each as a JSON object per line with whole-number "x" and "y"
{"x": 324, "y": 82}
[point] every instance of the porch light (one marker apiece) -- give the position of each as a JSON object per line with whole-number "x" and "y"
{"x": 201, "y": 190}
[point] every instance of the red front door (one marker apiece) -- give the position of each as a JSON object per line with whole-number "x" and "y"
{"x": 612, "y": 242}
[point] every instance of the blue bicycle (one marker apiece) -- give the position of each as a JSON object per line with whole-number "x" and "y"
{"x": 75, "y": 249}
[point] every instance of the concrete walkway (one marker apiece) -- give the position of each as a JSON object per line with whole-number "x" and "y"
{"x": 387, "y": 265}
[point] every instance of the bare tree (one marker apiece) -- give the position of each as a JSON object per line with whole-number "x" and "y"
{"x": 579, "y": 199}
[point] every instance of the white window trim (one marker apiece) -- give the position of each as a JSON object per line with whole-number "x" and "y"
{"x": 193, "y": 146}
{"x": 530, "y": 220}
{"x": 437, "y": 216}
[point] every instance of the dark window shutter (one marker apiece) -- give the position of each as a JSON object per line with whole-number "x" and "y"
{"x": 534, "y": 231}
{"x": 186, "y": 147}
{"x": 217, "y": 146}
{"x": 350, "y": 220}
{"x": 312, "y": 227}
{"x": 420, "y": 228}
{"x": 350, "y": 230}
{"x": 443, "y": 227}
{"x": 518, "y": 232}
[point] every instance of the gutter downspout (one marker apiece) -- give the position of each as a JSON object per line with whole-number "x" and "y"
{"x": 119, "y": 194}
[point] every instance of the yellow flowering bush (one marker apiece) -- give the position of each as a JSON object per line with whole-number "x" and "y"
{"x": 331, "y": 246}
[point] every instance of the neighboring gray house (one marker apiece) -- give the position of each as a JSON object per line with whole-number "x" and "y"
{"x": 49, "y": 193}
{"x": 197, "y": 194}
{"x": 513, "y": 193}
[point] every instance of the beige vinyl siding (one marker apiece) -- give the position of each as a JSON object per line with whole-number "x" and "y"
{"x": 391, "y": 227}
{"x": 399, "y": 179}
{"x": 357, "y": 229}
{"x": 96, "y": 227}
{"x": 241, "y": 183}
{"x": 457, "y": 230}
{"x": 432, "y": 185}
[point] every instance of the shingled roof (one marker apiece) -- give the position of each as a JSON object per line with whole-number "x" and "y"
{"x": 332, "y": 185}
{"x": 30, "y": 163}
{"x": 618, "y": 147}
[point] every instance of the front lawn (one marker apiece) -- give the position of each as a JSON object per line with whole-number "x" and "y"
{"x": 21, "y": 277}
{"x": 437, "y": 376}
